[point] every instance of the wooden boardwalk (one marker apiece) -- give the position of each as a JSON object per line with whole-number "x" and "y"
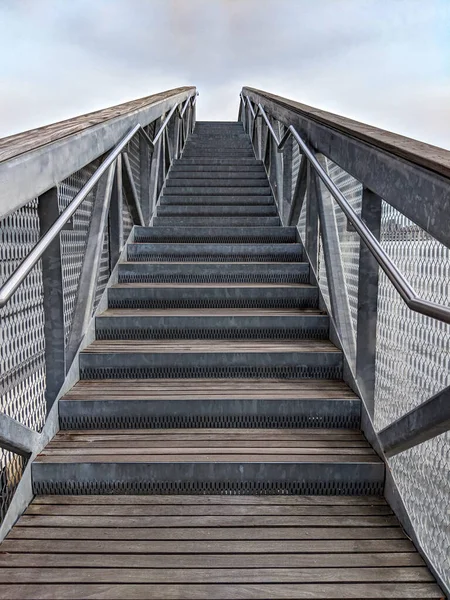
{"x": 211, "y": 547}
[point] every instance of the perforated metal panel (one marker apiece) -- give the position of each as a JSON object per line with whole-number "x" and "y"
{"x": 22, "y": 343}
{"x": 423, "y": 477}
{"x": 11, "y": 469}
{"x": 413, "y": 351}
{"x": 73, "y": 242}
{"x": 134, "y": 157}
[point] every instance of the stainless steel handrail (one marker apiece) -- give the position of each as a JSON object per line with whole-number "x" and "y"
{"x": 407, "y": 293}
{"x": 13, "y": 282}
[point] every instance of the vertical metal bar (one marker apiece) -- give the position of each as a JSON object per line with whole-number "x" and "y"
{"x": 340, "y": 306}
{"x": 299, "y": 193}
{"x": 154, "y": 175}
{"x": 89, "y": 273}
{"x": 367, "y": 302}
{"x": 116, "y": 216}
{"x": 144, "y": 177}
{"x": 312, "y": 217}
{"x": 278, "y": 173}
{"x": 53, "y": 300}
{"x": 287, "y": 179}
{"x": 130, "y": 191}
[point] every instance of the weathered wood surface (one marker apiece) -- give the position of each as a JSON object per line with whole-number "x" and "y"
{"x": 191, "y": 346}
{"x": 147, "y": 389}
{"x": 34, "y": 138}
{"x": 419, "y": 153}
{"x": 223, "y": 445}
{"x": 56, "y": 551}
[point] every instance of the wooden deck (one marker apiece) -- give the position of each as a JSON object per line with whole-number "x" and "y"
{"x": 211, "y": 547}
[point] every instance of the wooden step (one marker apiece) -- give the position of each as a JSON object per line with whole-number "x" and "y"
{"x": 182, "y": 403}
{"x": 140, "y": 547}
{"x": 133, "y": 359}
{"x": 214, "y": 460}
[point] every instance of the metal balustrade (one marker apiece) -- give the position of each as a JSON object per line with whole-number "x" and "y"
{"x": 370, "y": 252}
{"x": 59, "y": 246}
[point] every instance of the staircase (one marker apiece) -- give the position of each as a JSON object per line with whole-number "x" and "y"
{"x": 211, "y": 448}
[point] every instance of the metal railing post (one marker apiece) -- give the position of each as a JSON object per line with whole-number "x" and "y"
{"x": 53, "y": 299}
{"x": 116, "y": 240}
{"x": 144, "y": 179}
{"x": 368, "y": 302}
{"x": 312, "y": 217}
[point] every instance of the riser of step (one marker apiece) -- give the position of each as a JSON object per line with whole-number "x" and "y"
{"x": 214, "y": 272}
{"x": 221, "y": 182}
{"x": 217, "y": 200}
{"x": 232, "y": 235}
{"x": 168, "y": 365}
{"x": 212, "y": 297}
{"x": 208, "y": 161}
{"x": 312, "y": 478}
{"x": 140, "y": 327}
{"x": 202, "y": 210}
{"x": 216, "y": 176}
{"x": 198, "y": 155}
{"x": 238, "y": 170}
{"x": 199, "y": 190}
{"x": 220, "y": 143}
{"x": 214, "y": 252}
{"x": 216, "y": 222}
{"x": 209, "y": 413}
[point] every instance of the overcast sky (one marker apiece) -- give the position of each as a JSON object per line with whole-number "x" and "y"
{"x": 384, "y": 62}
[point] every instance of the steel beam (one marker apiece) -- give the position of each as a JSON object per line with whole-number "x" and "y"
{"x": 116, "y": 240}
{"x": 28, "y": 175}
{"x": 53, "y": 301}
{"x": 429, "y": 419}
{"x": 87, "y": 285}
{"x": 367, "y": 302}
{"x": 17, "y": 438}
{"x": 337, "y": 288}
{"x": 420, "y": 194}
{"x": 298, "y": 196}
{"x": 312, "y": 218}
{"x": 130, "y": 191}
{"x": 144, "y": 179}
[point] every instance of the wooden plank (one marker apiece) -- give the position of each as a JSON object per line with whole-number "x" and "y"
{"x": 214, "y": 499}
{"x": 419, "y": 153}
{"x": 207, "y": 458}
{"x": 298, "y": 591}
{"x": 130, "y": 510}
{"x": 188, "y": 576}
{"x": 19, "y": 143}
{"x": 211, "y": 561}
{"x": 67, "y": 546}
{"x": 92, "y": 531}
{"x": 211, "y": 449}
{"x": 182, "y": 346}
{"x": 323, "y": 446}
{"x": 206, "y": 521}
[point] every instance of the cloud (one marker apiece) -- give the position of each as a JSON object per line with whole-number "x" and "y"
{"x": 379, "y": 61}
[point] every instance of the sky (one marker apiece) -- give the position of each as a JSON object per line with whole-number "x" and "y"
{"x": 383, "y": 62}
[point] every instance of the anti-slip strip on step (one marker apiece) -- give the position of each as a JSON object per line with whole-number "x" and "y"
{"x": 332, "y": 488}
{"x": 299, "y": 302}
{"x": 326, "y": 421}
{"x": 298, "y": 372}
{"x": 213, "y": 278}
{"x": 282, "y": 258}
{"x": 241, "y": 333}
